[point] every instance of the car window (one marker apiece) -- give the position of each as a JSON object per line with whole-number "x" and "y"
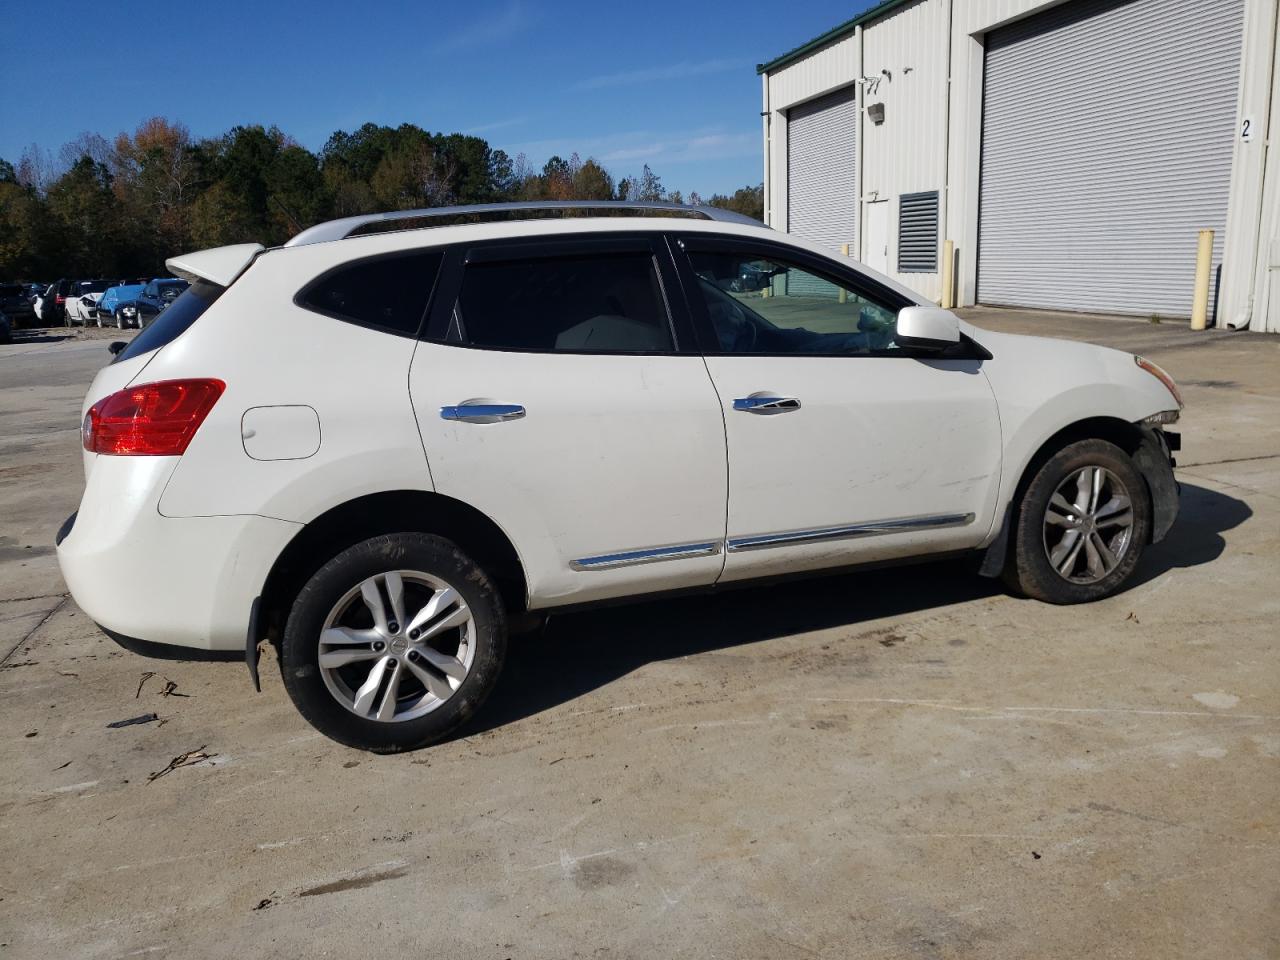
{"x": 389, "y": 293}
{"x": 581, "y": 303}
{"x": 171, "y": 323}
{"x": 768, "y": 306}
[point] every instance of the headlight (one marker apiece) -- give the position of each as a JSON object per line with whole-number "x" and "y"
{"x": 1163, "y": 377}
{"x": 129, "y": 311}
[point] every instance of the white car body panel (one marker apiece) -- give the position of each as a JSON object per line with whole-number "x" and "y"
{"x": 616, "y": 454}
{"x": 840, "y": 460}
{"x": 344, "y": 372}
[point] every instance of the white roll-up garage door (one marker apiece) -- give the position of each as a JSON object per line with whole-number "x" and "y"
{"x": 822, "y": 170}
{"x": 1107, "y": 136}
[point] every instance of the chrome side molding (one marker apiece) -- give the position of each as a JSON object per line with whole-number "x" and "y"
{"x": 683, "y": 551}
{"x": 763, "y": 541}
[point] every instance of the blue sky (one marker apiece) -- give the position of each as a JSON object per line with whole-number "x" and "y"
{"x": 669, "y": 84}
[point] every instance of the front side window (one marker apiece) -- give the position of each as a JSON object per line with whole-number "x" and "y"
{"x": 389, "y": 292}
{"x": 767, "y": 306}
{"x": 579, "y": 303}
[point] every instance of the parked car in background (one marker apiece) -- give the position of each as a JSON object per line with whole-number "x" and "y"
{"x": 15, "y": 305}
{"x": 6, "y": 328}
{"x": 523, "y": 415}
{"x": 156, "y": 297}
{"x": 51, "y": 305}
{"x": 81, "y": 305}
{"x": 111, "y": 308}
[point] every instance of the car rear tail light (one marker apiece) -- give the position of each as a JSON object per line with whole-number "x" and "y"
{"x": 60, "y": 299}
{"x": 151, "y": 420}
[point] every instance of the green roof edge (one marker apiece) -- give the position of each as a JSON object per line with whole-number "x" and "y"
{"x": 835, "y": 33}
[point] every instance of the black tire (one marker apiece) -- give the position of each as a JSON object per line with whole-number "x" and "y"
{"x": 1028, "y": 570}
{"x": 300, "y": 648}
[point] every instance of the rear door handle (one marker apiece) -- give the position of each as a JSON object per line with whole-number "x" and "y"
{"x": 766, "y": 403}
{"x": 482, "y": 412}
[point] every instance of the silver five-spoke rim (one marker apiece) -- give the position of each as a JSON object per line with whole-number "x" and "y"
{"x": 1088, "y": 525}
{"x": 397, "y": 646}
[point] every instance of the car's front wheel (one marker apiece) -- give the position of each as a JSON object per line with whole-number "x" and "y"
{"x": 394, "y": 643}
{"x": 1081, "y": 526}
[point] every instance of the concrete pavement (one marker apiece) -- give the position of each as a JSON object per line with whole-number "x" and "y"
{"x": 903, "y": 763}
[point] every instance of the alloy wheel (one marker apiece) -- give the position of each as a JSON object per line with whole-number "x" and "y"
{"x": 1088, "y": 525}
{"x": 397, "y": 646}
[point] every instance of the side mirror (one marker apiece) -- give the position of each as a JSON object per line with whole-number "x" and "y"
{"x": 927, "y": 328}
{"x": 116, "y": 346}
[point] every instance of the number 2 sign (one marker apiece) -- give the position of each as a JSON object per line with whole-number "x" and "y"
{"x": 1246, "y": 129}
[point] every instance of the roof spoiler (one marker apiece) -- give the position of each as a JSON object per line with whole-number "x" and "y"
{"x": 220, "y": 265}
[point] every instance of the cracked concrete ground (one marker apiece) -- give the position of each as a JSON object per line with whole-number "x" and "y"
{"x": 904, "y": 763}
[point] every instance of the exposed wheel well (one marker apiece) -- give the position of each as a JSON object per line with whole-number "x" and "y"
{"x": 397, "y": 511}
{"x": 1123, "y": 434}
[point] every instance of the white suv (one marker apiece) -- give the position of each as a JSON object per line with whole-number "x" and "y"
{"x": 377, "y": 447}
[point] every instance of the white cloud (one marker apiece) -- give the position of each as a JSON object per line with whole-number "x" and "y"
{"x": 496, "y": 125}
{"x": 493, "y": 26}
{"x": 624, "y": 151}
{"x": 674, "y": 71}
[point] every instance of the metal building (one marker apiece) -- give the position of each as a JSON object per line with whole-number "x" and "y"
{"x": 1070, "y": 150}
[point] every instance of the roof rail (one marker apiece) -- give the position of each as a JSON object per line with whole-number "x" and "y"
{"x": 480, "y": 212}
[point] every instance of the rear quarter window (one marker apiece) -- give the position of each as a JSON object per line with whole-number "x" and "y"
{"x": 388, "y": 293}
{"x": 173, "y": 321}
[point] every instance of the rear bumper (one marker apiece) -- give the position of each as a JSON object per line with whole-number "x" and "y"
{"x": 186, "y": 582}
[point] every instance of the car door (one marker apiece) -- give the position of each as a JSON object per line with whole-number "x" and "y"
{"x": 559, "y": 394}
{"x": 843, "y": 447}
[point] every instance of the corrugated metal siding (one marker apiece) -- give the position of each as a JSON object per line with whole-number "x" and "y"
{"x": 822, "y": 172}
{"x": 907, "y": 153}
{"x": 918, "y": 232}
{"x": 1107, "y": 142}
{"x": 826, "y": 69}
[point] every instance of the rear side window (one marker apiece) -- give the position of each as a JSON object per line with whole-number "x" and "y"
{"x": 173, "y": 321}
{"x": 608, "y": 303}
{"x": 389, "y": 293}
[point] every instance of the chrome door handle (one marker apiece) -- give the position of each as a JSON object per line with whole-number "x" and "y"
{"x": 766, "y": 403}
{"x": 482, "y": 412}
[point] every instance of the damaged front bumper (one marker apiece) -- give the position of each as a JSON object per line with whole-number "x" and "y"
{"x": 1154, "y": 458}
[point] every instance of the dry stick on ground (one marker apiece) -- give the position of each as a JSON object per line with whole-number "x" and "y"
{"x": 190, "y": 758}
{"x": 145, "y": 677}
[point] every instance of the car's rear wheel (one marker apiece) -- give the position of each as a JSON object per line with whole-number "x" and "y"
{"x": 394, "y": 643}
{"x": 1081, "y": 526}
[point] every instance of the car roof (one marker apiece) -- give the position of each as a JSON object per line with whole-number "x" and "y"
{"x": 437, "y": 218}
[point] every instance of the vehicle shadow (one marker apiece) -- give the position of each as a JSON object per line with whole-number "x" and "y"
{"x": 40, "y": 336}
{"x": 581, "y": 652}
{"x": 1196, "y": 536}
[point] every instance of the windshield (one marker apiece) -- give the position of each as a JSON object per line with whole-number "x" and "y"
{"x": 173, "y": 321}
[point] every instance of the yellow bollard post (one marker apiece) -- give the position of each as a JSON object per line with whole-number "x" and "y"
{"x": 1204, "y": 263}
{"x": 844, "y": 294}
{"x": 948, "y": 275}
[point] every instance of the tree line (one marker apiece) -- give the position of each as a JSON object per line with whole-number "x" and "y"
{"x": 120, "y": 208}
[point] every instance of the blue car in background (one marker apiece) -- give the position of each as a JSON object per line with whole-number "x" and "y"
{"x": 109, "y": 307}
